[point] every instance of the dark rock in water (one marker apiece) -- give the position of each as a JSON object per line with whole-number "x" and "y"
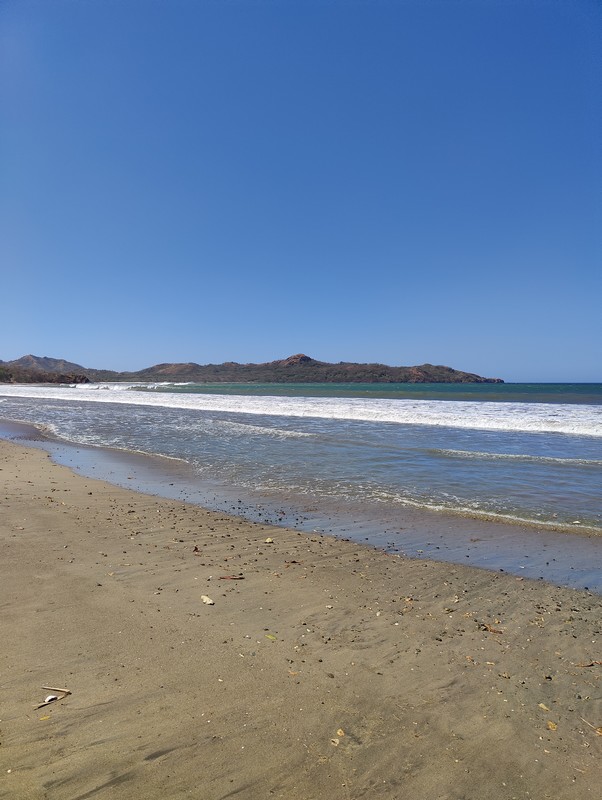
{"x": 73, "y": 379}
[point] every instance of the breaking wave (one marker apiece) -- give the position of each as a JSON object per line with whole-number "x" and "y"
{"x": 576, "y": 420}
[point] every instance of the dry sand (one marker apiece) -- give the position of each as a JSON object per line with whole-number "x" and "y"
{"x": 330, "y": 670}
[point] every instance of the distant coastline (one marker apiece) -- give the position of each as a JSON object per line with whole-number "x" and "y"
{"x": 298, "y": 368}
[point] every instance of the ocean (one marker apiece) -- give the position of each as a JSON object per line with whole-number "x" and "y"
{"x": 455, "y": 471}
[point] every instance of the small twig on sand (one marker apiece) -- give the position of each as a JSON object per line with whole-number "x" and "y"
{"x": 598, "y": 730}
{"x": 62, "y": 692}
{"x": 485, "y": 627}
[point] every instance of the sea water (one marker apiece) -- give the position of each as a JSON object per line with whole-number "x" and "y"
{"x": 529, "y": 454}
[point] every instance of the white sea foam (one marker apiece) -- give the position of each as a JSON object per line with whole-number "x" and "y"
{"x": 277, "y": 433}
{"x": 578, "y": 420}
{"x": 477, "y": 454}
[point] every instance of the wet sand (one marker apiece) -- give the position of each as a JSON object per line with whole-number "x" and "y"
{"x": 322, "y": 669}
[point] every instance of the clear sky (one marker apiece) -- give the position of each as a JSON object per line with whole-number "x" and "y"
{"x": 363, "y": 180}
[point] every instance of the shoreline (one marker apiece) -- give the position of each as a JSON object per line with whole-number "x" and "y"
{"x": 324, "y": 667}
{"x": 564, "y": 555}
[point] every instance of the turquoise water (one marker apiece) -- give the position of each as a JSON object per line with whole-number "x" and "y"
{"x": 506, "y": 392}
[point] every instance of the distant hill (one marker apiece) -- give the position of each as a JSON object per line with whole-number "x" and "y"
{"x": 295, "y": 369}
{"x": 44, "y": 364}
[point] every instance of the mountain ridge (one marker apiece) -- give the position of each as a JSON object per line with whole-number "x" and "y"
{"x": 297, "y": 368}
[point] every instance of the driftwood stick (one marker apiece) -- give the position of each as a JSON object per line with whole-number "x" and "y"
{"x": 598, "y": 730}
{"x": 63, "y": 692}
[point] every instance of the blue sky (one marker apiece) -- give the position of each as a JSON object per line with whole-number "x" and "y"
{"x": 404, "y": 182}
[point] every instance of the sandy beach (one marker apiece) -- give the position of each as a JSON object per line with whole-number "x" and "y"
{"x": 320, "y": 669}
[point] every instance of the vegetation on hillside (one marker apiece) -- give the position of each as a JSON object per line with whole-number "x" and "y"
{"x": 295, "y": 369}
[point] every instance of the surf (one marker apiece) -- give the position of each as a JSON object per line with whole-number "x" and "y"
{"x": 567, "y": 419}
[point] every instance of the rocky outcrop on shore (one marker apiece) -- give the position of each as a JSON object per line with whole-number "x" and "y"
{"x": 11, "y": 374}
